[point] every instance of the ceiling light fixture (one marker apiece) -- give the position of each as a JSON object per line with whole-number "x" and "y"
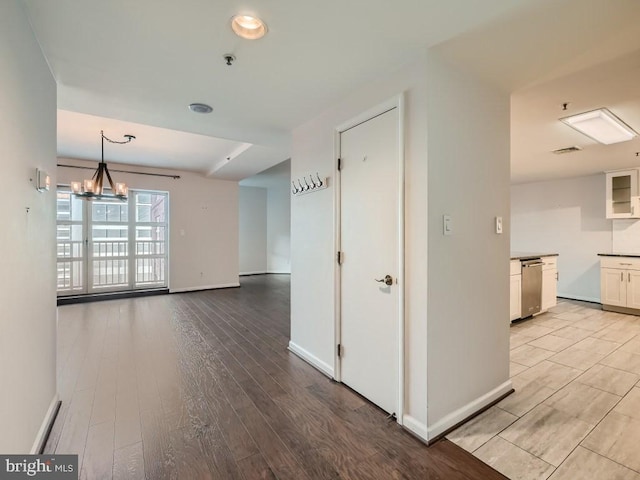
{"x": 200, "y": 108}
{"x": 246, "y": 26}
{"x": 601, "y": 125}
{"x": 93, "y": 188}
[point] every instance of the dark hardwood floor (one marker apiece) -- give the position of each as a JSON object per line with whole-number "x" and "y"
{"x": 201, "y": 386}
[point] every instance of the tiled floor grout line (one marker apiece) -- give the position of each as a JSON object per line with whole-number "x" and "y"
{"x": 497, "y": 434}
{"x": 532, "y": 454}
{"x": 613, "y": 326}
{"x": 593, "y": 428}
{"x": 610, "y": 459}
{"x": 576, "y": 379}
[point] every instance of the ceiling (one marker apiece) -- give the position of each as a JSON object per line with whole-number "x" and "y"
{"x": 536, "y": 131}
{"x": 278, "y": 176}
{"x": 133, "y": 67}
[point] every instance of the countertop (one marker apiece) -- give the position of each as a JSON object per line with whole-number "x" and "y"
{"x": 635, "y": 255}
{"x": 528, "y": 255}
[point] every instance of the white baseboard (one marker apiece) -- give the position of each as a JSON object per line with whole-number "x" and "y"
{"x": 260, "y": 272}
{"x": 311, "y": 359}
{"x": 579, "y": 297}
{"x": 415, "y": 426}
{"x": 280, "y": 272}
{"x": 204, "y": 287}
{"x": 467, "y": 410}
{"x": 44, "y": 427}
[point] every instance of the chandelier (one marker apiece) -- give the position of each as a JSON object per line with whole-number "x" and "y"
{"x": 94, "y": 187}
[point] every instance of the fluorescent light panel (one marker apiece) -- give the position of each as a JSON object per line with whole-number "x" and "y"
{"x": 601, "y": 125}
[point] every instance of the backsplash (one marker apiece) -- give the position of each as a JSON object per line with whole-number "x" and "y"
{"x": 625, "y": 236}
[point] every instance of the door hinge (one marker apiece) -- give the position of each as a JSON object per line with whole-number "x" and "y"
{"x": 339, "y": 164}
{"x": 339, "y": 348}
{"x": 339, "y": 258}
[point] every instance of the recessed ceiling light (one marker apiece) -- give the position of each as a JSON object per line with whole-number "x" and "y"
{"x": 248, "y": 27}
{"x": 200, "y": 108}
{"x": 601, "y": 125}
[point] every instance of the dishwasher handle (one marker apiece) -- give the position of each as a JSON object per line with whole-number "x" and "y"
{"x": 536, "y": 264}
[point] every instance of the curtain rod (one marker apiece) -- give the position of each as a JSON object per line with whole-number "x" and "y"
{"x": 175, "y": 177}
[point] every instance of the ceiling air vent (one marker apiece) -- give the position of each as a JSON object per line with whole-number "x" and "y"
{"x": 560, "y": 151}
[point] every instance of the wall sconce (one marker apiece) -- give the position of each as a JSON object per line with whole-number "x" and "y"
{"x": 43, "y": 180}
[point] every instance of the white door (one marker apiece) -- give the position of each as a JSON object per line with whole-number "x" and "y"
{"x": 370, "y": 245}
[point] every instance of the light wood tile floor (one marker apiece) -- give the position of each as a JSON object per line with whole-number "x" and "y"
{"x": 576, "y": 410}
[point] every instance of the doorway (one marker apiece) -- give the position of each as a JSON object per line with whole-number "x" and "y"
{"x": 111, "y": 246}
{"x": 371, "y": 293}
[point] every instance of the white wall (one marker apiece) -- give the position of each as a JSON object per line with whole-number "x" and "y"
{"x": 459, "y": 129}
{"x": 566, "y": 217}
{"x": 468, "y": 271}
{"x": 203, "y": 220}
{"x": 625, "y": 237}
{"x": 279, "y": 229}
{"x": 252, "y": 213}
{"x": 27, "y": 242}
{"x": 313, "y": 232}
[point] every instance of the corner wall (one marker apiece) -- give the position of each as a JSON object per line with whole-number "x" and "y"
{"x": 313, "y": 233}
{"x": 457, "y": 287}
{"x": 468, "y": 271}
{"x": 279, "y": 230}
{"x": 252, "y": 217}
{"x": 27, "y": 284}
{"x": 567, "y": 217}
{"x": 203, "y": 223}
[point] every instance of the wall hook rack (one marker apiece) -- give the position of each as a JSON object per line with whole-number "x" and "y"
{"x": 308, "y": 184}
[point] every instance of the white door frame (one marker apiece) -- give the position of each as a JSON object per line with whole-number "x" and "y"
{"x": 394, "y": 102}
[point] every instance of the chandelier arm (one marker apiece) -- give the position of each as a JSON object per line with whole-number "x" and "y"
{"x": 106, "y": 170}
{"x": 99, "y": 180}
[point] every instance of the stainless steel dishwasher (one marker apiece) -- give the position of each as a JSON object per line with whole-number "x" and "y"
{"x": 531, "y": 286}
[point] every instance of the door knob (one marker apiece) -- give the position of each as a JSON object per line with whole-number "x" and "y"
{"x": 387, "y": 280}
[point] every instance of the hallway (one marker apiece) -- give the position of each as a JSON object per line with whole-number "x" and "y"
{"x": 201, "y": 385}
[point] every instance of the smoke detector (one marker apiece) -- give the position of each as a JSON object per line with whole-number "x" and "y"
{"x": 200, "y": 108}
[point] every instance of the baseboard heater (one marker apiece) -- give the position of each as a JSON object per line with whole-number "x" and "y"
{"x": 96, "y": 297}
{"x": 47, "y": 433}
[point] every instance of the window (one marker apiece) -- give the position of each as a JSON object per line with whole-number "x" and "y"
{"x": 111, "y": 245}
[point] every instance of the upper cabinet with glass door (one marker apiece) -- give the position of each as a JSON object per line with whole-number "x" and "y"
{"x": 622, "y": 194}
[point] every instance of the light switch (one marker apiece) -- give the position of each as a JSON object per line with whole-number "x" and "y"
{"x": 498, "y": 225}
{"x": 447, "y": 225}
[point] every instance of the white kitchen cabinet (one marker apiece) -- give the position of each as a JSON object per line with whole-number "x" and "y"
{"x": 622, "y": 194}
{"x": 633, "y": 289}
{"x": 515, "y": 290}
{"x": 620, "y": 284}
{"x": 549, "y": 282}
{"x": 515, "y": 297}
{"x": 613, "y": 290}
